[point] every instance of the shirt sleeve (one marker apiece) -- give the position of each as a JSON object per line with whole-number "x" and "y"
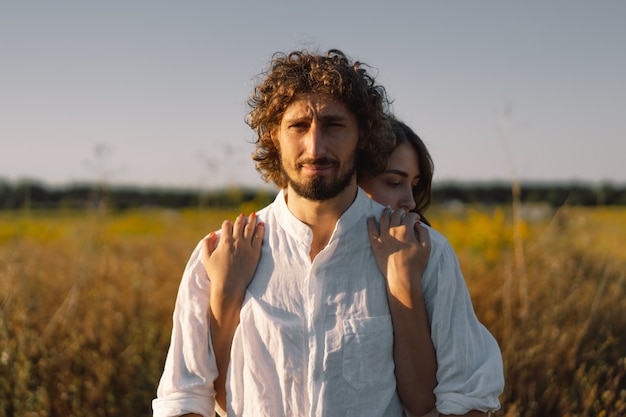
{"x": 186, "y": 385}
{"x": 470, "y": 373}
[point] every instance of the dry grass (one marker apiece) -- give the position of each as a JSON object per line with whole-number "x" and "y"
{"x": 85, "y": 309}
{"x": 560, "y": 316}
{"x": 86, "y": 303}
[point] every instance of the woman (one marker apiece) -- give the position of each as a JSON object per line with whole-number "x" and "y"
{"x": 405, "y": 188}
{"x": 407, "y": 181}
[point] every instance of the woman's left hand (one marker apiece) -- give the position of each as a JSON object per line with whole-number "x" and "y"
{"x": 401, "y": 246}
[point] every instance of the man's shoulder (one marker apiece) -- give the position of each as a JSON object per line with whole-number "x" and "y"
{"x": 439, "y": 243}
{"x": 271, "y": 207}
{"x": 269, "y": 214}
{"x": 436, "y": 237}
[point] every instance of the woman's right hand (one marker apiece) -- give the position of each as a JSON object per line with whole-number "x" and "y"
{"x": 231, "y": 262}
{"x": 230, "y": 265}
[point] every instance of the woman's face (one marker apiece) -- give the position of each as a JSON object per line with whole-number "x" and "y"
{"x": 394, "y": 187}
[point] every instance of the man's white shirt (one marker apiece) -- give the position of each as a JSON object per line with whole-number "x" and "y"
{"x": 315, "y": 337}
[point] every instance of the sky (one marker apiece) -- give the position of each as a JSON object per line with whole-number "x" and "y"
{"x": 153, "y": 93}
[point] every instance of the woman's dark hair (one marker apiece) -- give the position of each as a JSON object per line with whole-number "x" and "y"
{"x": 334, "y": 75}
{"x": 421, "y": 192}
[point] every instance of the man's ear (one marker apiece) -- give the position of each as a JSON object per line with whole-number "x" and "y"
{"x": 274, "y": 135}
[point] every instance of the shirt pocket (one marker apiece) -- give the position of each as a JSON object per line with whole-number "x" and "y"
{"x": 368, "y": 351}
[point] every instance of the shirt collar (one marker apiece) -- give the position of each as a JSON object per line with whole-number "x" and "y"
{"x": 361, "y": 207}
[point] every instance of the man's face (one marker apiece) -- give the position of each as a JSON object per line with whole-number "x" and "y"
{"x": 318, "y": 138}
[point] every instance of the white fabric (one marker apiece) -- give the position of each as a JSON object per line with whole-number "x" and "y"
{"x": 315, "y": 338}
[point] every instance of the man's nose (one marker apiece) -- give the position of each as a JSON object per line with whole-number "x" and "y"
{"x": 315, "y": 141}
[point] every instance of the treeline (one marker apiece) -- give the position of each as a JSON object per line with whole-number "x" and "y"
{"x": 34, "y": 195}
{"x": 554, "y": 194}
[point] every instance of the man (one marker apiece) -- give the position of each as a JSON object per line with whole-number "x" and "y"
{"x": 318, "y": 330}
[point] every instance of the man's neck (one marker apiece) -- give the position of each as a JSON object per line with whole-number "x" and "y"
{"x": 320, "y": 216}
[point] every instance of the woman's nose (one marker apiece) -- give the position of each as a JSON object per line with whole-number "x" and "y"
{"x": 407, "y": 201}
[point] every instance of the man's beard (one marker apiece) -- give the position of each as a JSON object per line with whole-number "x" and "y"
{"x": 319, "y": 188}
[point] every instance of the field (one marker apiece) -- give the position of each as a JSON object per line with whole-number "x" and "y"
{"x": 86, "y": 302}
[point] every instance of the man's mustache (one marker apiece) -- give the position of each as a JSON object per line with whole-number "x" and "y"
{"x": 323, "y": 161}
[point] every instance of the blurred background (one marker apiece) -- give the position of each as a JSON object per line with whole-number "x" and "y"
{"x": 152, "y": 93}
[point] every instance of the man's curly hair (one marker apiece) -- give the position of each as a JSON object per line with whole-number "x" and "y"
{"x": 333, "y": 74}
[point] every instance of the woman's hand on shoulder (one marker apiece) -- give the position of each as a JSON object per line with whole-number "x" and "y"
{"x": 230, "y": 262}
{"x": 401, "y": 246}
